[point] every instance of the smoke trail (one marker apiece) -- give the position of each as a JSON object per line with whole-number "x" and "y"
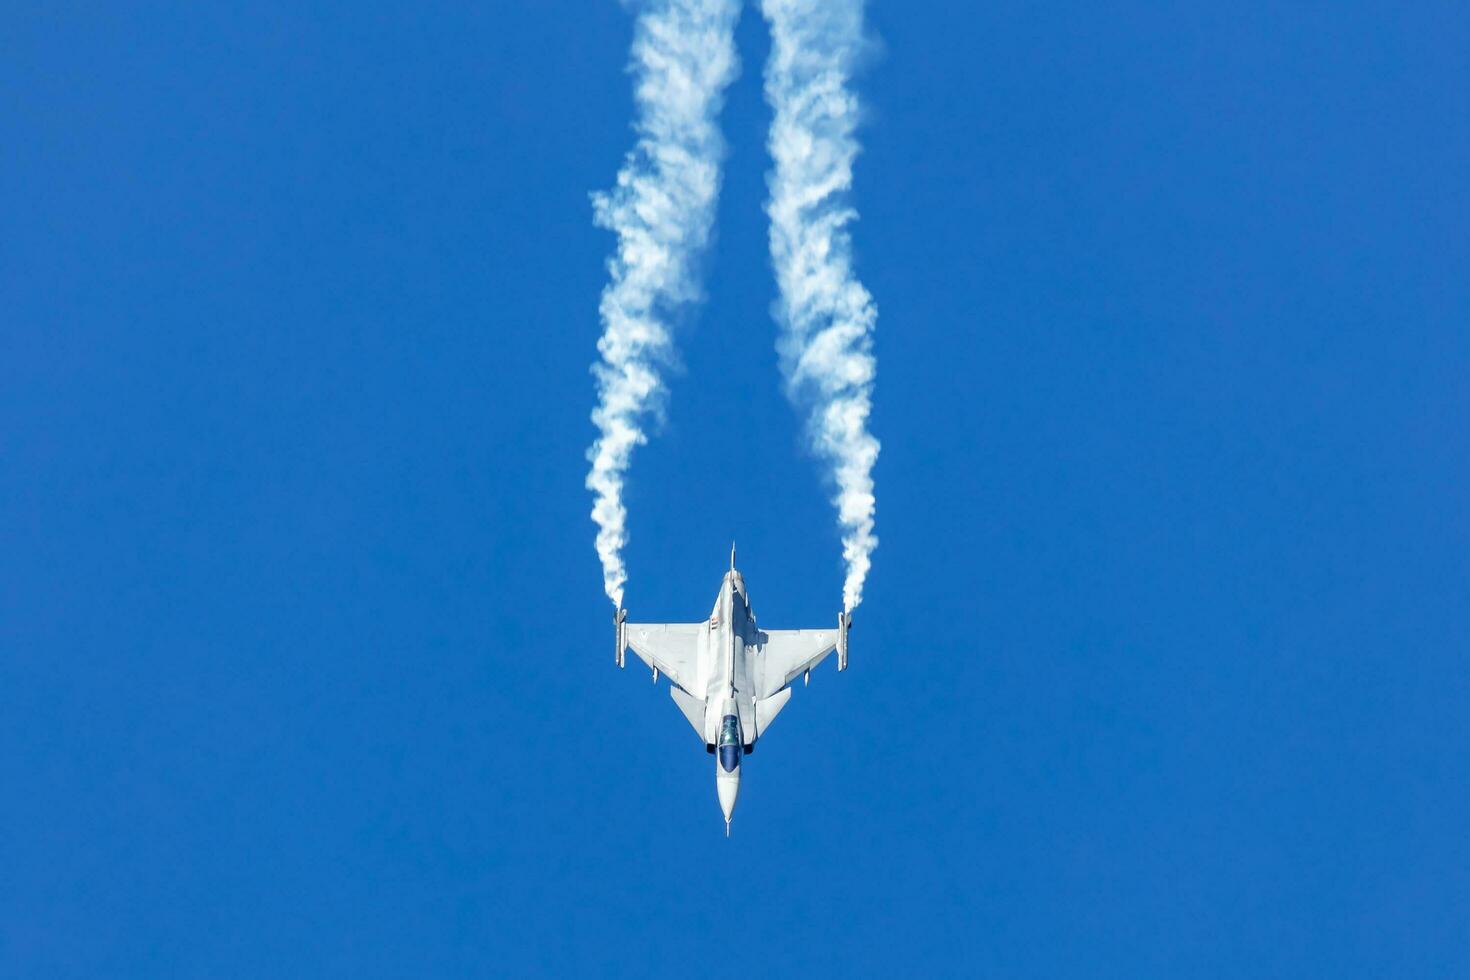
{"x": 683, "y": 58}
{"x": 826, "y": 314}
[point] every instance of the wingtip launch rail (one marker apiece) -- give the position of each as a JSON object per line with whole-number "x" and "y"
{"x": 619, "y": 619}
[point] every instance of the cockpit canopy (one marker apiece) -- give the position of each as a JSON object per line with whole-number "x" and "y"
{"x": 729, "y": 744}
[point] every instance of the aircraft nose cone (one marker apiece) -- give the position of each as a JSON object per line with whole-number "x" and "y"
{"x": 728, "y": 786}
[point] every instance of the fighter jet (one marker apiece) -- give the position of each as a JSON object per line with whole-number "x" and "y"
{"x": 729, "y": 677}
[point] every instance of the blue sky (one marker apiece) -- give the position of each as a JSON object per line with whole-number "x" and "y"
{"x": 305, "y": 666}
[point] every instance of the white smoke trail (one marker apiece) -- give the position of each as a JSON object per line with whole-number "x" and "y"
{"x": 826, "y": 314}
{"x": 683, "y": 58}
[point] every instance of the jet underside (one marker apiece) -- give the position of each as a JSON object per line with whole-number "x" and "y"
{"x": 729, "y": 677}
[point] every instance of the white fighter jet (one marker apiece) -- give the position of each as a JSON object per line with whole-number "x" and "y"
{"x": 728, "y": 676}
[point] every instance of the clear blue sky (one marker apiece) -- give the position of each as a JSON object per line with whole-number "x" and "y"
{"x": 305, "y": 666}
